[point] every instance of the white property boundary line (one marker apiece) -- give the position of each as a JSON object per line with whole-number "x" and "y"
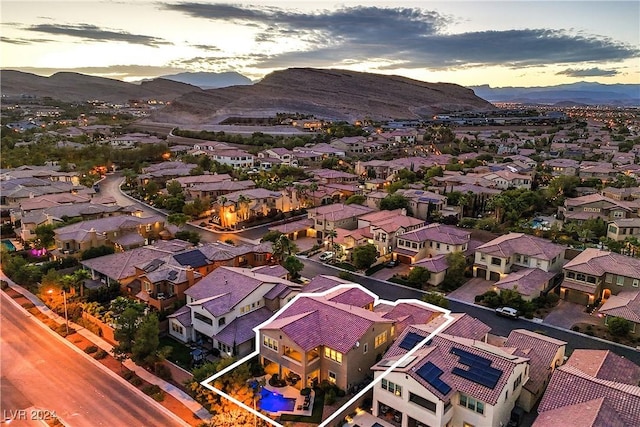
{"x": 446, "y": 314}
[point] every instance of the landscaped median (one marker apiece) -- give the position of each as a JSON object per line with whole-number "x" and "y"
{"x": 79, "y": 339}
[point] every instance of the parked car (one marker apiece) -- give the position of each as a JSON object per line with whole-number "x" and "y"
{"x": 507, "y": 312}
{"x": 391, "y": 263}
{"x": 326, "y": 256}
{"x": 517, "y": 414}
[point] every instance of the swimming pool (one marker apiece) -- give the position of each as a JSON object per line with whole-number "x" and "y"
{"x": 275, "y": 402}
{"x": 8, "y": 245}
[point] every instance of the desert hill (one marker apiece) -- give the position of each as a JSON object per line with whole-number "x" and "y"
{"x": 80, "y": 87}
{"x": 324, "y": 93}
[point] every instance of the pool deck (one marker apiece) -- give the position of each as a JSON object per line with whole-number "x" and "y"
{"x": 293, "y": 393}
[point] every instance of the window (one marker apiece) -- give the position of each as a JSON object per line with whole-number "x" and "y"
{"x": 506, "y": 396}
{"x": 222, "y": 321}
{"x": 330, "y": 353}
{"x": 635, "y": 283}
{"x": 332, "y": 377}
{"x": 391, "y": 387}
{"x": 471, "y": 403}
{"x": 483, "y": 257}
{"x": 421, "y": 401}
{"x": 571, "y": 275}
{"x": 381, "y": 339}
{"x": 620, "y": 280}
{"x": 365, "y": 348}
{"x": 203, "y": 319}
{"x": 437, "y": 245}
{"x": 177, "y": 328}
{"x": 270, "y": 343}
{"x": 496, "y": 261}
{"x": 517, "y": 382}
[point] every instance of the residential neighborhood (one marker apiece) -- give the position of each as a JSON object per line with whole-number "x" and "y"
{"x": 358, "y": 278}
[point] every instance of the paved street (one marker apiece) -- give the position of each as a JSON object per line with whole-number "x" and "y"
{"x": 40, "y": 371}
{"x": 500, "y": 325}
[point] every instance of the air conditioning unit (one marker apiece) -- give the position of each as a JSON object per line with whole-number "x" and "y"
{"x": 160, "y": 295}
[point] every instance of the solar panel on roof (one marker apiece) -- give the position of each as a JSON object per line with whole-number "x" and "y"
{"x": 173, "y": 275}
{"x": 479, "y": 371}
{"x": 410, "y": 340}
{"x": 193, "y": 258}
{"x": 431, "y": 374}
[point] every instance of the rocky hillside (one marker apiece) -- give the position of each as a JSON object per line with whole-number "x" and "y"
{"x": 80, "y": 87}
{"x": 331, "y": 94}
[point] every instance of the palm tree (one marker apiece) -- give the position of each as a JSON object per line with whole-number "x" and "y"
{"x": 243, "y": 203}
{"x": 284, "y": 247}
{"x": 331, "y": 234}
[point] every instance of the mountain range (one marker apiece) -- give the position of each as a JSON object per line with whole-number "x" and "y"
{"x": 206, "y": 80}
{"x": 324, "y": 93}
{"x": 587, "y": 93}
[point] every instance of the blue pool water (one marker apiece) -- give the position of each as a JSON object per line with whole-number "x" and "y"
{"x": 8, "y": 245}
{"x": 275, "y": 402}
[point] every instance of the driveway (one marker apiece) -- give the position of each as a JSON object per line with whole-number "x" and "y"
{"x": 473, "y": 287}
{"x": 387, "y": 273}
{"x": 566, "y": 314}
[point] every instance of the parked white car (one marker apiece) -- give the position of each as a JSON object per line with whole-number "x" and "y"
{"x": 326, "y": 256}
{"x": 507, "y": 312}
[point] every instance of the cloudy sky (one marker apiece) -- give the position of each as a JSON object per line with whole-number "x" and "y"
{"x": 500, "y": 43}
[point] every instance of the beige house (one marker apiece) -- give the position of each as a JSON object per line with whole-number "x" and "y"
{"x": 596, "y": 274}
{"x": 331, "y": 217}
{"x": 430, "y": 241}
{"x": 580, "y": 209}
{"x": 497, "y": 258}
{"x": 621, "y": 229}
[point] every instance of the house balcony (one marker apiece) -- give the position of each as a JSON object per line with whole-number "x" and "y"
{"x": 161, "y": 301}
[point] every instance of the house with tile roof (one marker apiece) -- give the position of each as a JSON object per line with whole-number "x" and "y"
{"x": 383, "y": 227}
{"x": 225, "y": 306}
{"x": 579, "y": 209}
{"x": 352, "y": 145}
{"x": 331, "y": 217}
{"x": 449, "y": 381}
{"x": 424, "y": 204}
{"x": 505, "y": 179}
{"x": 625, "y": 305}
{"x": 594, "y": 388}
{"x": 281, "y": 154}
{"x": 513, "y": 251}
{"x": 120, "y": 232}
{"x": 596, "y": 274}
{"x": 530, "y": 283}
{"x": 621, "y": 229}
{"x": 235, "y": 208}
{"x": 332, "y": 337}
{"x": 545, "y": 354}
{"x": 429, "y": 241}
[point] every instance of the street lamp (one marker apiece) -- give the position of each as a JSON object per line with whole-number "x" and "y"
{"x": 66, "y": 316}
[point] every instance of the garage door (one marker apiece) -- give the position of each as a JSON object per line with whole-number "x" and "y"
{"x": 576, "y": 297}
{"x": 494, "y": 276}
{"x": 481, "y": 273}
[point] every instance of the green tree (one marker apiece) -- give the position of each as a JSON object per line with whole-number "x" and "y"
{"x": 436, "y": 298}
{"x": 97, "y": 252}
{"x": 271, "y": 236}
{"x": 45, "y": 235}
{"x": 197, "y": 207}
{"x": 192, "y": 237}
{"x": 174, "y": 188}
{"x": 364, "y": 256}
{"x": 618, "y": 327}
{"x": 151, "y": 189}
{"x": 146, "y": 341}
{"x": 284, "y": 247}
{"x": 357, "y": 199}
{"x": 394, "y": 201}
{"x": 178, "y": 219}
{"x": 418, "y": 277}
{"x": 127, "y": 314}
{"x": 293, "y": 265}
{"x": 455, "y": 272}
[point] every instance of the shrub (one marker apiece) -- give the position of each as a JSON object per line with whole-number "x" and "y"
{"x": 128, "y": 375}
{"x": 575, "y": 328}
{"x": 151, "y": 389}
{"x": 136, "y": 381}
{"x": 163, "y": 371}
{"x": 330, "y": 397}
{"x": 91, "y": 349}
{"x": 305, "y": 391}
{"x": 100, "y": 354}
{"x": 619, "y": 327}
{"x": 4, "y": 285}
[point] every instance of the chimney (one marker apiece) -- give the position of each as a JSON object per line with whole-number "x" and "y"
{"x": 190, "y": 276}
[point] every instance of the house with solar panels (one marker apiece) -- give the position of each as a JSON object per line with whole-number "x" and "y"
{"x": 449, "y": 381}
{"x": 424, "y": 204}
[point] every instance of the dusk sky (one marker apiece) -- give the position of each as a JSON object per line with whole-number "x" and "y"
{"x": 506, "y": 43}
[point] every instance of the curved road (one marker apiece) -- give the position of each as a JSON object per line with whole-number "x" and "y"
{"x": 40, "y": 371}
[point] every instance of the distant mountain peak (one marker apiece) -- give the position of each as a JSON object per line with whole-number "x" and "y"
{"x": 209, "y": 80}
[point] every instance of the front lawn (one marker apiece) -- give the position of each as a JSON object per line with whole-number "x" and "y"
{"x": 180, "y": 353}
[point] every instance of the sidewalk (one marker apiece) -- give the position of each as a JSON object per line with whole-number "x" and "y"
{"x": 180, "y": 395}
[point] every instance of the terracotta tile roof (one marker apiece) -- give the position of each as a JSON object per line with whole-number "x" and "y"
{"x": 540, "y": 349}
{"x": 315, "y": 321}
{"x": 406, "y": 314}
{"x": 529, "y": 281}
{"x": 351, "y": 296}
{"x": 597, "y": 262}
{"x": 290, "y": 227}
{"x": 592, "y": 198}
{"x": 626, "y": 305}
{"x": 321, "y": 283}
{"x": 570, "y": 386}
{"x": 520, "y": 243}
{"x": 338, "y": 211}
{"x": 438, "y": 233}
{"x": 272, "y": 270}
{"x": 593, "y": 413}
{"x": 437, "y": 264}
{"x": 605, "y": 365}
{"x": 240, "y": 329}
{"x": 183, "y": 315}
{"x": 438, "y": 352}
